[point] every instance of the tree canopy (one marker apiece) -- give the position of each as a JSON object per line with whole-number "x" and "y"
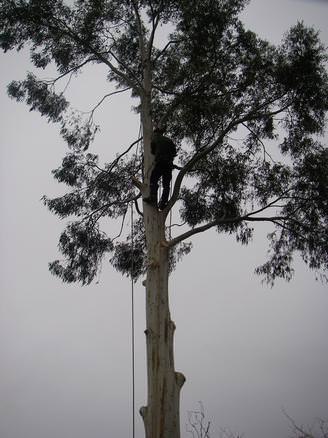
{"x": 247, "y": 116}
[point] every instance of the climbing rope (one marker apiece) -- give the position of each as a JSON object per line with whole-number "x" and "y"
{"x": 170, "y": 215}
{"x": 132, "y": 303}
{"x": 132, "y": 324}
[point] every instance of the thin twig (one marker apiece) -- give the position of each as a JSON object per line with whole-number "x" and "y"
{"x": 137, "y": 207}
{"x": 260, "y": 141}
{"x": 178, "y": 225}
{"x": 104, "y": 98}
{"x": 71, "y": 70}
{"x": 122, "y": 225}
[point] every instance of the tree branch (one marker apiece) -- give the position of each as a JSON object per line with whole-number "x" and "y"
{"x": 270, "y": 204}
{"x": 224, "y": 221}
{"x": 297, "y": 428}
{"x": 103, "y": 208}
{"x": 104, "y": 98}
{"x": 198, "y": 230}
{"x": 155, "y": 22}
{"x": 260, "y": 141}
{"x": 249, "y": 217}
{"x": 162, "y": 52}
{"x": 113, "y": 164}
{"x": 122, "y": 154}
{"x": 117, "y": 159}
{"x": 135, "y": 85}
{"x": 71, "y": 70}
{"x": 198, "y": 156}
{"x": 206, "y": 150}
{"x": 137, "y": 207}
{"x": 140, "y": 31}
{"x": 122, "y": 225}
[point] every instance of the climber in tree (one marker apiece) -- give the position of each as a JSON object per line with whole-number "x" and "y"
{"x": 164, "y": 150}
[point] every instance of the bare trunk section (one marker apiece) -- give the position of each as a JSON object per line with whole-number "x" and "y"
{"x": 161, "y": 416}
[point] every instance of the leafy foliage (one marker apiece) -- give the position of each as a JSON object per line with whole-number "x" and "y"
{"x": 38, "y": 97}
{"x": 83, "y": 247}
{"x": 130, "y": 256}
{"x": 95, "y": 192}
{"x": 246, "y": 114}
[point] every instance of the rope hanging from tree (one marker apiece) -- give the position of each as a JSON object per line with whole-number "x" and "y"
{"x": 132, "y": 302}
{"x": 132, "y": 324}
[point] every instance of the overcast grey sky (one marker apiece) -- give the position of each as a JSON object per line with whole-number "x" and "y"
{"x": 65, "y": 371}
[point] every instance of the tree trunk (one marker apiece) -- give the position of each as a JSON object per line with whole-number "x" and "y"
{"x": 161, "y": 416}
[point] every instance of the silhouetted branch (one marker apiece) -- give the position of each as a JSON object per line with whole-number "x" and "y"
{"x": 122, "y": 225}
{"x": 71, "y": 70}
{"x": 318, "y": 430}
{"x": 196, "y": 423}
{"x": 155, "y": 22}
{"x": 104, "y": 98}
{"x": 102, "y": 209}
{"x": 198, "y": 156}
{"x": 270, "y": 204}
{"x": 140, "y": 31}
{"x": 249, "y": 217}
{"x": 164, "y": 49}
{"x": 200, "y": 229}
{"x": 260, "y": 141}
{"x": 122, "y": 154}
{"x": 178, "y": 225}
{"x": 137, "y": 207}
{"x": 99, "y": 56}
{"x": 253, "y": 115}
{"x": 114, "y": 163}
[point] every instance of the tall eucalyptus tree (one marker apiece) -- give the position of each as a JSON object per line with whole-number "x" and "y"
{"x": 208, "y": 79}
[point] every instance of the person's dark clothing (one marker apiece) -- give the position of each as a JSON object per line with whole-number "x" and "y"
{"x": 162, "y": 169}
{"x": 164, "y": 150}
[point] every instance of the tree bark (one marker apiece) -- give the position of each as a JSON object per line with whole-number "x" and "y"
{"x": 161, "y": 415}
